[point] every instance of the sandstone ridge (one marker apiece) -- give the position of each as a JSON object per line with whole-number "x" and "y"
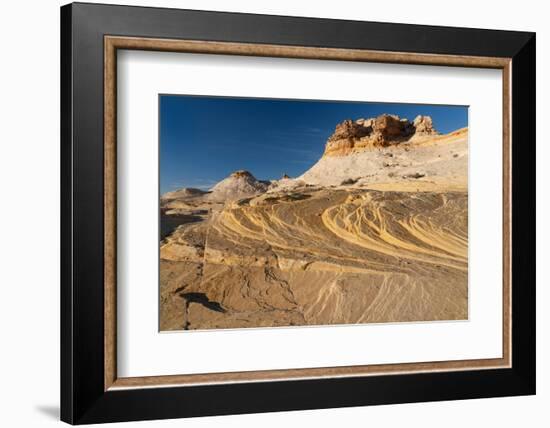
{"x": 375, "y": 231}
{"x": 382, "y": 131}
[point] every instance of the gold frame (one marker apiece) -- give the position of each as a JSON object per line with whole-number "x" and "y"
{"x": 113, "y": 43}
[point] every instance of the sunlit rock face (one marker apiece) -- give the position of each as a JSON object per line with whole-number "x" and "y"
{"x": 382, "y": 131}
{"x": 239, "y": 184}
{"x": 423, "y": 125}
{"x": 395, "y": 157}
{"x": 375, "y": 231}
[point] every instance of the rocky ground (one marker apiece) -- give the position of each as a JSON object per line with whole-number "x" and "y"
{"x": 376, "y": 231}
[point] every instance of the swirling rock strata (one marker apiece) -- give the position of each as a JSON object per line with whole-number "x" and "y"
{"x": 328, "y": 257}
{"x": 376, "y": 231}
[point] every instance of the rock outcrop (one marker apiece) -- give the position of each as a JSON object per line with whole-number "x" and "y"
{"x": 423, "y": 125}
{"x": 240, "y": 184}
{"x": 392, "y": 158}
{"x": 382, "y": 131}
{"x": 375, "y": 231}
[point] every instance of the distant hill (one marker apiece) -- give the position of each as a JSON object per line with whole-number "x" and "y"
{"x": 239, "y": 184}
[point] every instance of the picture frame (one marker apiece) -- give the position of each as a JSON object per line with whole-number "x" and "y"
{"x": 91, "y": 390}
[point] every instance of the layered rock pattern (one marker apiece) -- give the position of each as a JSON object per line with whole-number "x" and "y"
{"x": 382, "y": 131}
{"x": 326, "y": 257}
{"x": 376, "y": 231}
{"x": 422, "y": 159}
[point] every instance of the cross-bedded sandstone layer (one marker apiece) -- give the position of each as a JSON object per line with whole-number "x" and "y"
{"x": 376, "y": 234}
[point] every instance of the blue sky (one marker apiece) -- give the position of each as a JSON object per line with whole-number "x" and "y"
{"x": 204, "y": 139}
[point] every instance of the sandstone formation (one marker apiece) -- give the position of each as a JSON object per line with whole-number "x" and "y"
{"x": 382, "y": 131}
{"x": 375, "y": 231}
{"x": 395, "y": 153}
{"x": 239, "y": 184}
{"x": 320, "y": 257}
{"x": 423, "y": 126}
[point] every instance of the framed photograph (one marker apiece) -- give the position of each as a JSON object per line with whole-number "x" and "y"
{"x": 266, "y": 213}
